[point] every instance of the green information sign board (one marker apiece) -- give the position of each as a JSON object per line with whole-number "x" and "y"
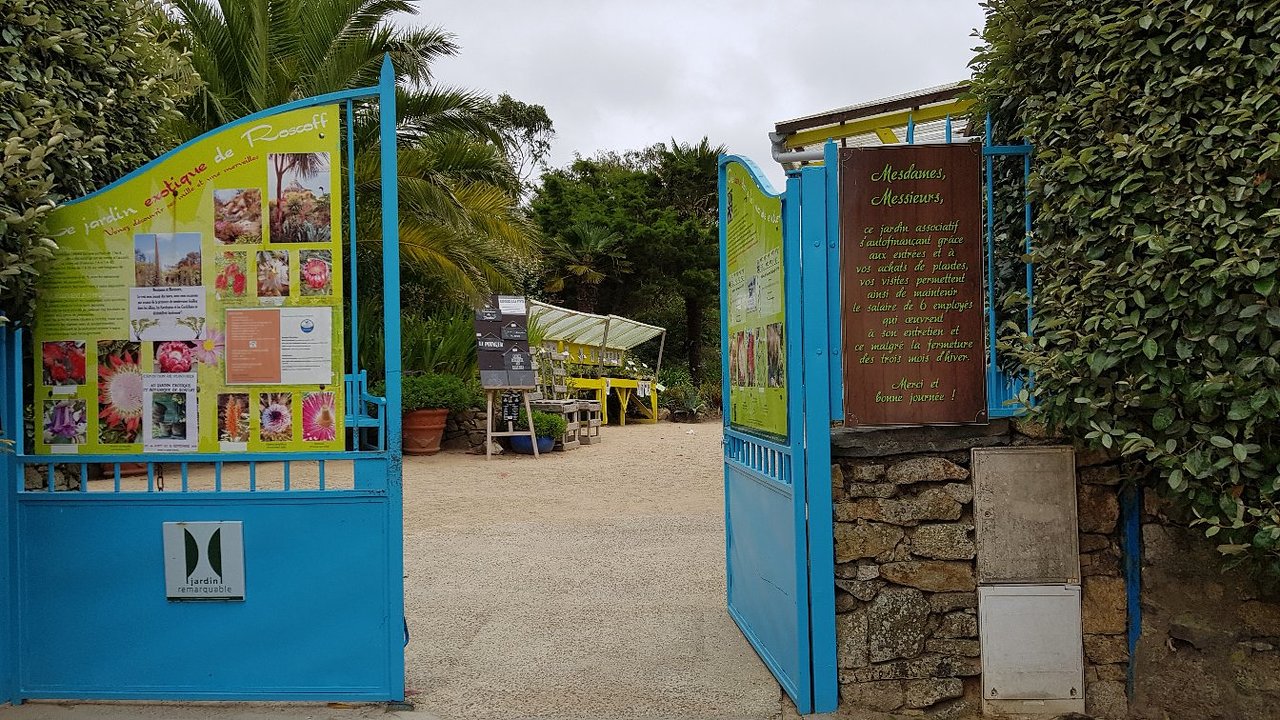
{"x": 196, "y": 306}
{"x": 757, "y": 306}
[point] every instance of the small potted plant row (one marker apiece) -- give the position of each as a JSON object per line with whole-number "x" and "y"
{"x": 548, "y": 427}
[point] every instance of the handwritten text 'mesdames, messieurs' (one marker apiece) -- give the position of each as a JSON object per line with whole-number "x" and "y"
{"x": 890, "y": 174}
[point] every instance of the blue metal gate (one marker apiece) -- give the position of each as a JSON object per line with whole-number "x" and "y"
{"x": 83, "y": 610}
{"x": 779, "y": 555}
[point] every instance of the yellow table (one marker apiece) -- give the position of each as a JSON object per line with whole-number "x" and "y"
{"x": 625, "y": 388}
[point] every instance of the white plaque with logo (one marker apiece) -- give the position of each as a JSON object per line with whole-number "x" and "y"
{"x": 204, "y": 560}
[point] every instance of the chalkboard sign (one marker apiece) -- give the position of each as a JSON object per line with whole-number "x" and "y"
{"x": 911, "y": 285}
{"x": 502, "y": 331}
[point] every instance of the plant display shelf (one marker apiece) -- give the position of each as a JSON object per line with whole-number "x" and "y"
{"x": 569, "y": 410}
{"x": 628, "y": 391}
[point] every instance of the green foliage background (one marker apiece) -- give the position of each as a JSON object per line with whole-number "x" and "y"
{"x": 1156, "y": 128}
{"x": 86, "y": 88}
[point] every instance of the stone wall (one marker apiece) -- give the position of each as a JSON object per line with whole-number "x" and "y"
{"x": 464, "y": 431}
{"x": 1210, "y": 643}
{"x": 906, "y": 599}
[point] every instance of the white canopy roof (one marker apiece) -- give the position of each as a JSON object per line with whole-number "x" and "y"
{"x": 589, "y": 329}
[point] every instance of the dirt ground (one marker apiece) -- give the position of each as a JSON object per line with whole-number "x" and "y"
{"x": 583, "y": 584}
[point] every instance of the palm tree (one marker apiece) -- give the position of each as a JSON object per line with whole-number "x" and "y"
{"x": 458, "y": 197}
{"x": 687, "y": 175}
{"x": 586, "y": 254}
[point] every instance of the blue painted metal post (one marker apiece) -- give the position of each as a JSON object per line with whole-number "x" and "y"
{"x": 10, "y": 427}
{"x": 353, "y": 276}
{"x": 835, "y": 360}
{"x": 391, "y": 351}
{"x": 793, "y": 288}
{"x": 816, "y": 430}
{"x": 1131, "y": 539}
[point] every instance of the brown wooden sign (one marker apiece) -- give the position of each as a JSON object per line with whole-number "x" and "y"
{"x": 911, "y": 285}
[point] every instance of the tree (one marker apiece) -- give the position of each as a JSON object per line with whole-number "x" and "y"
{"x": 662, "y": 201}
{"x": 458, "y": 194}
{"x": 527, "y": 132}
{"x": 588, "y": 254}
{"x": 687, "y": 178}
{"x": 1157, "y": 239}
{"x": 89, "y": 88}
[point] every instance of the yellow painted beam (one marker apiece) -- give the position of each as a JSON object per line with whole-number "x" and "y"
{"x": 887, "y": 136}
{"x": 805, "y": 138}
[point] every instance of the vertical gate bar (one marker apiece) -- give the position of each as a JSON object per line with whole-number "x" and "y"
{"x": 151, "y": 476}
{"x": 286, "y": 474}
{"x": 217, "y": 476}
{"x": 84, "y": 477}
{"x": 117, "y": 477}
{"x": 835, "y": 359}
{"x": 6, "y": 422}
{"x": 320, "y": 469}
{"x": 49, "y": 473}
{"x": 911, "y": 129}
{"x": 253, "y": 476}
{"x": 948, "y": 128}
{"x": 726, "y": 414}
{"x": 351, "y": 236}
{"x": 396, "y": 633}
{"x": 794, "y": 246}
{"x": 993, "y": 373}
{"x": 182, "y": 468}
{"x": 1026, "y": 220}
{"x": 19, "y": 426}
{"x": 816, "y": 435}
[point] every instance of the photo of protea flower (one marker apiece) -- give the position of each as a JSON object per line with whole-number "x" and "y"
{"x": 316, "y": 271}
{"x": 63, "y": 362}
{"x": 119, "y": 392}
{"x": 210, "y": 350}
{"x": 273, "y": 273}
{"x": 233, "y": 417}
{"x": 319, "y": 417}
{"x": 276, "y": 417}
{"x": 174, "y": 356}
{"x": 65, "y": 422}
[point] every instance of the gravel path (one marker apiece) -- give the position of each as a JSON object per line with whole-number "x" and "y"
{"x": 584, "y": 584}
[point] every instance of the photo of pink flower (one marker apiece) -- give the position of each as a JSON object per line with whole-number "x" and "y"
{"x": 319, "y": 417}
{"x": 175, "y": 356}
{"x": 65, "y": 422}
{"x": 210, "y": 350}
{"x": 275, "y": 417}
{"x": 315, "y": 267}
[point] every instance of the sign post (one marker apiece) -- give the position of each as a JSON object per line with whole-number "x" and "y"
{"x": 911, "y": 285}
{"x": 506, "y": 364}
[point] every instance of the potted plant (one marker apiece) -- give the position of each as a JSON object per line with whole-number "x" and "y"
{"x": 548, "y": 427}
{"x": 427, "y": 400}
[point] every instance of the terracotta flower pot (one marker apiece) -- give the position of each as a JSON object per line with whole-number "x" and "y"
{"x": 422, "y": 431}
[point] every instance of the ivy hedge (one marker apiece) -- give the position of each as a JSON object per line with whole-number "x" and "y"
{"x": 1156, "y": 126}
{"x": 86, "y": 88}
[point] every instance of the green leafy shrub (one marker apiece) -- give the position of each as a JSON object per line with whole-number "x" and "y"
{"x": 1156, "y": 129}
{"x": 87, "y": 89}
{"x": 434, "y": 391}
{"x": 545, "y": 424}
{"x": 684, "y": 401}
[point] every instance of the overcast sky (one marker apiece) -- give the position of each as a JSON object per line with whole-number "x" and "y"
{"x": 618, "y": 75}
